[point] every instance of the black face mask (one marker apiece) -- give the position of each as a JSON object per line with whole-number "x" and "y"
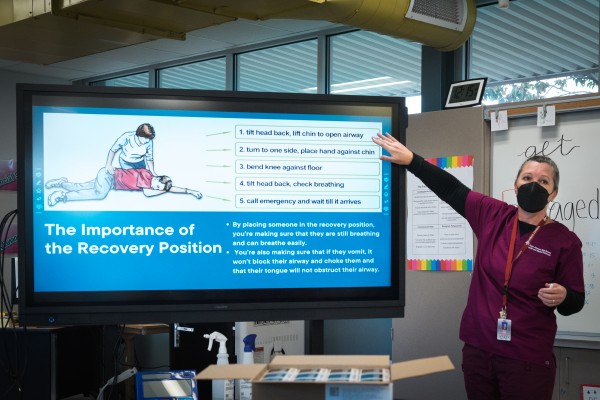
{"x": 532, "y": 197}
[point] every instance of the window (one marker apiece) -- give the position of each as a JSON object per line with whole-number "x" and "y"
{"x": 536, "y": 49}
{"x": 366, "y": 63}
{"x": 137, "y": 80}
{"x": 289, "y": 68}
{"x": 359, "y": 63}
{"x": 205, "y": 75}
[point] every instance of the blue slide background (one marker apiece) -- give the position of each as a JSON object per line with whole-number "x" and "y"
{"x": 220, "y": 267}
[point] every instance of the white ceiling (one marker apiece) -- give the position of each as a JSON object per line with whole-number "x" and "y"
{"x": 209, "y": 40}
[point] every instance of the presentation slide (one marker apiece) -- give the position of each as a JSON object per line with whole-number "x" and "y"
{"x": 257, "y": 200}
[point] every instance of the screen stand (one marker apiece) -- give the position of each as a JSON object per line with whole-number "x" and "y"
{"x": 316, "y": 336}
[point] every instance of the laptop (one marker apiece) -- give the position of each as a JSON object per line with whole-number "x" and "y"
{"x": 171, "y": 385}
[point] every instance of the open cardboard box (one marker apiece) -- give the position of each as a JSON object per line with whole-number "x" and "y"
{"x": 325, "y": 390}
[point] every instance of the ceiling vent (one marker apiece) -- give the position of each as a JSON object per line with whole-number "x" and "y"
{"x": 451, "y": 14}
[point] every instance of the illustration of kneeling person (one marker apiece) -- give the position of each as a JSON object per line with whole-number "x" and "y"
{"x": 139, "y": 179}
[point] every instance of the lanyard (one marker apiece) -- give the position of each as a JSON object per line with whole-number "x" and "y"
{"x": 510, "y": 259}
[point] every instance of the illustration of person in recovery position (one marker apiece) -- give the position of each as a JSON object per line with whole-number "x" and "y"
{"x": 132, "y": 179}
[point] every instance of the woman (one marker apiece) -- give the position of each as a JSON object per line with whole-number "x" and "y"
{"x": 526, "y": 266}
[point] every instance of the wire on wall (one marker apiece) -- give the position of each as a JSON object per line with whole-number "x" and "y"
{"x": 13, "y": 368}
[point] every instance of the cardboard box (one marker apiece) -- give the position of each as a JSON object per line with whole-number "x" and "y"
{"x": 290, "y": 377}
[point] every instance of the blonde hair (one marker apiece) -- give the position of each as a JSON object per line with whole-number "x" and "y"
{"x": 543, "y": 160}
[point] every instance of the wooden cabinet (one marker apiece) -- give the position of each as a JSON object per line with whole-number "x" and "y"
{"x": 576, "y": 366}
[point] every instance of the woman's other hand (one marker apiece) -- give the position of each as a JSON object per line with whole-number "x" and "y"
{"x": 552, "y": 294}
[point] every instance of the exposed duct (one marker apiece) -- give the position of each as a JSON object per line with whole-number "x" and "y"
{"x": 442, "y": 24}
{"x": 49, "y": 31}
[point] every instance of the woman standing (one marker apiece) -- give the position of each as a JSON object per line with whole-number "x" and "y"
{"x": 526, "y": 267}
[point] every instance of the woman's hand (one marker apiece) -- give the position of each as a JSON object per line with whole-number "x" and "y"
{"x": 399, "y": 154}
{"x": 552, "y": 294}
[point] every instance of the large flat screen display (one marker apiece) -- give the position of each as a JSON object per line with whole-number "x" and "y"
{"x": 144, "y": 206}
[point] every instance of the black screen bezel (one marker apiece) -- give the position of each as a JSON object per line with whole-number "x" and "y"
{"x": 76, "y": 308}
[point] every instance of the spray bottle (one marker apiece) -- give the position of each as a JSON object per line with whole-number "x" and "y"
{"x": 277, "y": 349}
{"x": 221, "y": 389}
{"x": 244, "y": 387}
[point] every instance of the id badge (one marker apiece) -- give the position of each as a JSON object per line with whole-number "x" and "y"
{"x": 503, "y": 331}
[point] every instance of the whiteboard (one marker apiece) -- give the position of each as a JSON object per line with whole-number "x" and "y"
{"x": 574, "y": 144}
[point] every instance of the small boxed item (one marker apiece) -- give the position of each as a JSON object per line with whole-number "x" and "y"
{"x": 326, "y": 377}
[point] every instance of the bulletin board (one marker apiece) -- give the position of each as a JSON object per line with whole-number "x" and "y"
{"x": 574, "y": 144}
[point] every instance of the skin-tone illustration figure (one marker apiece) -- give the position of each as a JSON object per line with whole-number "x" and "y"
{"x": 135, "y": 150}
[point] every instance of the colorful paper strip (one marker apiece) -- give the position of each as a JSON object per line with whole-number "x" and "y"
{"x": 452, "y": 161}
{"x": 439, "y": 265}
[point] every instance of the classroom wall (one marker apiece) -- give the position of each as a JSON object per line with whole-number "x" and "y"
{"x": 435, "y": 300}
